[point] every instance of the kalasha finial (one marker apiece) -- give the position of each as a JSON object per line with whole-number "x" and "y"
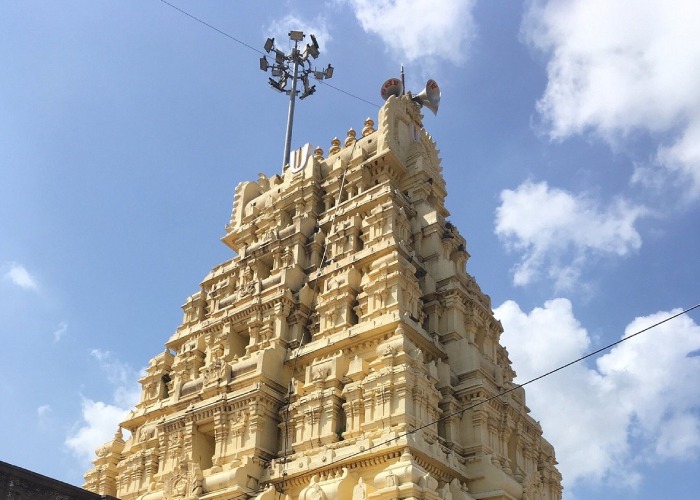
{"x": 351, "y": 138}
{"x": 369, "y": 127}
{"x": 318, "y": 153}
{"x": 335, "y": 146}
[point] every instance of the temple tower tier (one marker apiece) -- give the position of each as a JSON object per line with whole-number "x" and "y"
{"x": 343, "y": 352}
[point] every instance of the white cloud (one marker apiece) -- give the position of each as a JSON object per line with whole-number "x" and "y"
{"x": 43, "y": 411}
{"x": 60, "y": 331}
{"x": 417, "y": 30}
{"x": 19, "y": 275}
{"x": 683, "y": 156}
{"x": 627, "y": 411}
{"x": 619, "y": 67}
{"x": 558, "y": 232}
{"x": 99, "y": 419}
{"x": 44, "y": 420}
{"x": 280, "y": 28}
{"x": 652, "y": 365}
{"x": 118, "y": 372}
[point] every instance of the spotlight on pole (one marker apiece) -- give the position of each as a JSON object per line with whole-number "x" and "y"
{"x": 296, "y": 36}
{"x": 294, "y": 66}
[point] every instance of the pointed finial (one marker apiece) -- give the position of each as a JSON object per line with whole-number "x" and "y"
{"x": 318, "y": 153}
{"x": 369, "y": 127}
{"x": 351, "y": 138}
{"x": 335, "y": 146}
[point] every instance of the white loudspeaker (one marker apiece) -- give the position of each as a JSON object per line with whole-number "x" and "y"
{"x": 392, "y": 86}
{"x": 429, "y": 96}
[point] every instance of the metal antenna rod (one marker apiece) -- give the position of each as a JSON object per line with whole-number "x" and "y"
{"x": 403, "y": 81}
{"x": 296, "y": 67}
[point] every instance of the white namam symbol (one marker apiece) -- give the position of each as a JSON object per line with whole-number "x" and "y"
{"x": 298, "y": 157}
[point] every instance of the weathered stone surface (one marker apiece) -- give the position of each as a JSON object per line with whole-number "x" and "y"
{"x": 17, "y": 483}
{"x": 344, "y": 352}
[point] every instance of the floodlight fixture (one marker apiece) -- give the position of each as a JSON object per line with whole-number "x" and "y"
{"x": 296, "y": 36}
{"x": 277, "y": 85}
{"x": 312, "y": 48}
{"x": 311, "y": 51}
{"x": 325, "y": 74}
{"x": 294, "y": 66}
{"x": 308, "y": 92}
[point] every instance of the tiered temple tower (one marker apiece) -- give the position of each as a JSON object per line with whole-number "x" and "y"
{"x": 343, "y": 353}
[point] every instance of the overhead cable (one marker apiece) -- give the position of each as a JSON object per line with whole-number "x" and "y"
{"x": 241, "y": 42}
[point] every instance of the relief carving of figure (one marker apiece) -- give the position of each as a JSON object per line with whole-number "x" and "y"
{"x": 321, "y": 373}
{"x": 184, "y": 483}
{"x": 152, "y": 390}
{"x": 445, "y": 493}
{"x": 216, "y": 370}
{"x": 358, "y": 310}
{"x": 359, "y": 492}
{"x": 249, "y": 273}
{"x": 313, "y": 491}
{"x": 286, "y": 257}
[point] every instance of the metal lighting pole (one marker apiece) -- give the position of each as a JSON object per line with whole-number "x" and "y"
{"x": 294, "y": 66}
{"x": 290, "y": 115}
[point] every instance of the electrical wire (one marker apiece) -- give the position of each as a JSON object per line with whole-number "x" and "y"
{"x": 498, "y": 395}
{"x": 313, "y": 297}
{"x": 462, "y": 410}
{"x": 221, "y": 32}
{"x": 349, "y": 94}
{"x": 212, "y": 27}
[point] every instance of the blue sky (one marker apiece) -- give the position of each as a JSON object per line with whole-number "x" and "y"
{"x": 569, "y": 134}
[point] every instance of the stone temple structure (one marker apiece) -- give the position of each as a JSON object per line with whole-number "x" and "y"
{"x": 343, "y": 353}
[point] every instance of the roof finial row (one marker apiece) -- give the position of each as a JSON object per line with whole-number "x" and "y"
{"x": 349, "y": 140}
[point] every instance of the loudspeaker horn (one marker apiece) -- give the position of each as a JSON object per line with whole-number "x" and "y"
{"x": 392, "y": 86}
{"x": 429, "y": 96}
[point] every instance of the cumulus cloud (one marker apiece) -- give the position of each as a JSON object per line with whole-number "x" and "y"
{"x": 43, "y": 414}
{"x": 417, "y": 30}
{"x": 99, "y": 419}
{"x": 628, "y": 410}
{"x": 60, "y": 331}
{"x": 118, "y": 373}
{"x": 280, "y": 28}
{"x": 19, "y": 275}
{"x": 620, "y": 67}
{"x": 652, "y": 366}
{"x": 557, "y": 232}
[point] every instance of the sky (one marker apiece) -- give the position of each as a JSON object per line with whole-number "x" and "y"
{"x": 569, "y": 132}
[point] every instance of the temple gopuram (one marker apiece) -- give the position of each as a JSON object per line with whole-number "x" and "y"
{"x": 343, "y": 352}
